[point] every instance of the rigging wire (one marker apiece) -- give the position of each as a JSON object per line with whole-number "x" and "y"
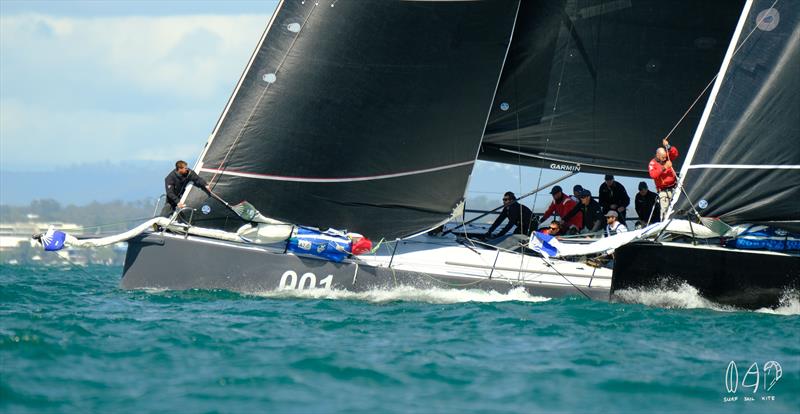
{"x": 711, "y": 82}
{"x": 549, "y": 265}
{"x": 681, "y": 179}
{"x": 222, "y": 166}
{"x": 552, "y": 115}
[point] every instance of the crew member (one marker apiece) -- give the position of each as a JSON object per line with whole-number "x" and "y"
{"x": 562, "y": 205}
{"x": 663, "y": 175}
{"x": 592, "y": 213}
{"x": 613, "y": 196}
{"x": 517, "y": 214}
{"x": 554, "y": 229}
{"x": 175, "y": 183}
{"x": 612, "y": 225}
{"x": 646, "y": 205}
{"x": 576, "y": 193}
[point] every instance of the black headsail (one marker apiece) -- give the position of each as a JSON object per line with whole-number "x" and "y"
{"x": 362, "y": 115}
{"x": 594, "y": 85}
{"x": 744, "y": 163}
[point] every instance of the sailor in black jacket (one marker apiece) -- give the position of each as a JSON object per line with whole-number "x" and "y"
{"x": 517, "y": 214}
{"x": 593, "y": 216}
{"x": 175, "y": 183}
{"x": 647, "y": 205}
{"x": 612, "y": 196}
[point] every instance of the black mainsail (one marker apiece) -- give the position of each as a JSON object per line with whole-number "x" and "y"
{"x": 744, "y": 163}
{"x": 593, "y": 86}
{"x": 359, "y": 115}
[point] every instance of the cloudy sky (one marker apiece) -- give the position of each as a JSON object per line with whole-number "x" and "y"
{"x": 99, "y": 82}
{"x": 91, "y": 81}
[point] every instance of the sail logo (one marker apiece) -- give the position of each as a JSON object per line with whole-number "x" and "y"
{"x": 755, "y": 378}
{"x": 565, "y": 167}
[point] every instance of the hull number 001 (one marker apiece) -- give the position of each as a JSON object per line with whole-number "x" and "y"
{"x": 289, "y": 280}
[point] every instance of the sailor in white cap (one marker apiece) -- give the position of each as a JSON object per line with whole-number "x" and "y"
{"x": 612, "y": 225}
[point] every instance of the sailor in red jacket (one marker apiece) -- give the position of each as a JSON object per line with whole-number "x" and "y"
{"x": 561, "y": 205}
{"x": 663, "y": 174}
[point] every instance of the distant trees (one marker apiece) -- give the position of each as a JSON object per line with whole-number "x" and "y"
{"x": 102, "y": 217}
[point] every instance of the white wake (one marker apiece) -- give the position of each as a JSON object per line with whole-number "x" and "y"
{"x": 407, "y": 294}
{"x": 685, "y": 296}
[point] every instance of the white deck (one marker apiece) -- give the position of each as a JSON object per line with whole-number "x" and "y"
{"x": 444, "y": 256}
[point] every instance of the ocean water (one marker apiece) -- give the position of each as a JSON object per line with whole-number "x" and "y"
{"x": 71, "y": 341}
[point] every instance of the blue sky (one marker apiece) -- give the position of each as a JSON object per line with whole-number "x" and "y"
{"x": 104, "y": 83}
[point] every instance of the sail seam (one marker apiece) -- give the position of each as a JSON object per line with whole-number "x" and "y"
{"x": 332, "y": 180}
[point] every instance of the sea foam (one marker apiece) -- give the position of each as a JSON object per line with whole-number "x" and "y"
{"x": 409, "y": 294}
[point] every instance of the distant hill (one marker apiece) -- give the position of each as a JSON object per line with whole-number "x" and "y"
{"x": 140, "y": 181}
{"x": 84, "y": 184}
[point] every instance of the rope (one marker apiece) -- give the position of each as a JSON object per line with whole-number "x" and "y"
{"x": 74, "y": 265}
{"x": 99, "y": 226}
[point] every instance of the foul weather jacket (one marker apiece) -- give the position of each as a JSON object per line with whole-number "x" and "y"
{"x": 647, "y": 207}
{"x": 592, "y": 215}
{"x": 663, "y": 177}
{"x": 517, "y": 215}
{"x": 615, "y": 194}
{"x": 562, "y": 208}
{"x": 174, "y": 184}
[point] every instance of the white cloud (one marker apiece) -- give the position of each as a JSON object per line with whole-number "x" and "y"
{"x": 44, "y": 138}
{"x": 76, "y": 90}
{"x": 188, "y": 56}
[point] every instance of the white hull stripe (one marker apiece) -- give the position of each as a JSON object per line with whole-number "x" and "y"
{"x": 332, "y": 180}
{"x": 744, "y": 167}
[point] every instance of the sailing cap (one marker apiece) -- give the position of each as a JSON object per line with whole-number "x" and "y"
{"x": 586, "y": 193}
{"x": 612, "y": 213}
{"x": 642, "y": 185}
{"x": 577, "y": 189}
{"x": 556, "y": 189}
{"x": 609, "y": 177}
